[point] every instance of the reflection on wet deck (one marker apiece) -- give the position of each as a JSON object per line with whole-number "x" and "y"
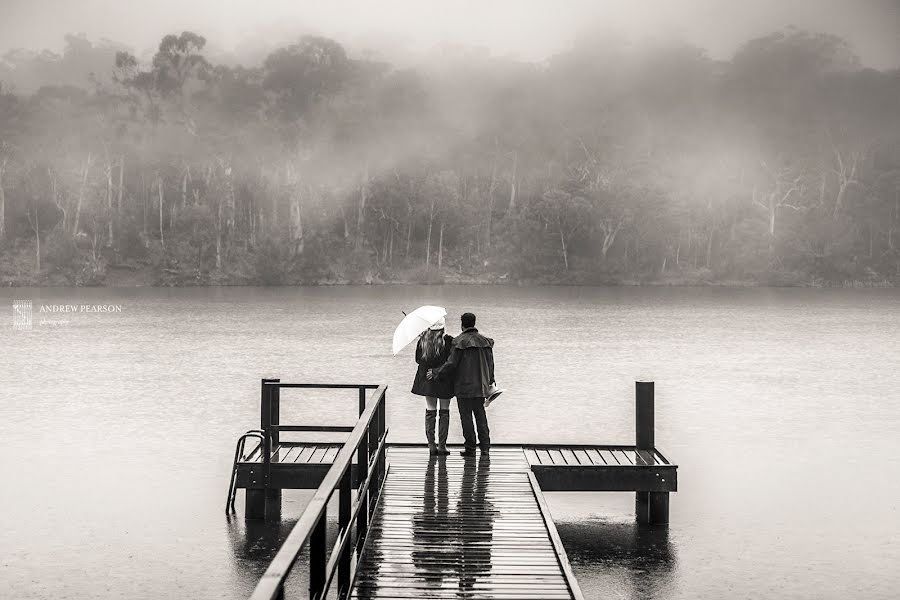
{"x": 462, "y": 528}
{"x": 413, "y": 526}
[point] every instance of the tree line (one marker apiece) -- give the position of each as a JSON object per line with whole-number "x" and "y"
{"x": 610, "y": 162}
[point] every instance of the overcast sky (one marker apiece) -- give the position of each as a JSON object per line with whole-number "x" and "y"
{"x": 529, "y": 29}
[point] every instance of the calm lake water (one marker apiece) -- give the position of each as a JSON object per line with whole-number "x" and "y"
{"x": 781, "y": 407}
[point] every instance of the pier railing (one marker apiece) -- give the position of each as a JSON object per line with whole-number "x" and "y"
{"x": 367, "y": 442}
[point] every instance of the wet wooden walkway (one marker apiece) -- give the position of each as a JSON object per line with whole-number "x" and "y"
{"x": 413, "y": 526}
{"x": 462, "y": 528}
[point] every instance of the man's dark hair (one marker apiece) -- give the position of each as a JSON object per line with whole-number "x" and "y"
{"x": 468, "y": 320}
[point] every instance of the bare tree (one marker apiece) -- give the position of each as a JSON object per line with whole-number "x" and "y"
{"x": 4, "y": 160}
{"x": 295, "y": 192}
{"x": 846, "y": 168}
{"x": 441, "y": 247}
{"x": 82, "y": 191}
{"x": 121, "y": 188}
{"x": 512, "y": 183}
{"x": 428, "y": 238}
{"x": 35, "y": 222}
{"x": 491, "y": 189}
{"x": 784, "y": 185}
{"x": 160, "y": 187}
{"x": 109, "y": 197}
{"x": 55, "y": 197}
{"x": 361, "y": 210}
{"x": 566, "y": 213}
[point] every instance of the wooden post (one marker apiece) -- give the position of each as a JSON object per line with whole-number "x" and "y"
{"x": 255, "y": 504}
{"x": 380, "y": 429}
{"x": 643, "y": 433}
{"x": 372, "y": 442}
{"x": 258, "y": 494}
{"x": 649, "y": 507}
{"x": 275, "y": 410}
{"x": 264, "y": 411}
{"x": 362, "y": 462}
{"x": 318, "y": 557}
{"x": 659, "y": 507}
{"x": 255, "y": 495}
{"x": 273, "y": 495}
{"x": 344, "y": 527}
{"x": 360, "y": 453}
{"x": 644, "y": 417}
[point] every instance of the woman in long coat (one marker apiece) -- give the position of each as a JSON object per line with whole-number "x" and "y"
{"x": 432, "y": 351}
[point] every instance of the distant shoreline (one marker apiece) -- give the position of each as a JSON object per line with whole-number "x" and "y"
{"x": 146, "y": 277}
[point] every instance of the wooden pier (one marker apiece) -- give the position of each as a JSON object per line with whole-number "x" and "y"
{"x": 411, "y": 525}
{"x": 462, "y": 528}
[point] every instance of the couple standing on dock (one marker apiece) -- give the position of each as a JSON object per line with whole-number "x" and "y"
{"x": 463, "y": 367}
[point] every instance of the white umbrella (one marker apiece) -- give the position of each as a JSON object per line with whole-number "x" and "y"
{"x": 415, "y": 323}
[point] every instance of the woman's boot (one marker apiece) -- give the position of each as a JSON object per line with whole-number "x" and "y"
{"x": 430, "y": 417}
{"x": 443, "y": 429}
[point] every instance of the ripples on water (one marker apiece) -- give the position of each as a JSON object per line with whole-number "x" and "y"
{"x": 780, "y": 407}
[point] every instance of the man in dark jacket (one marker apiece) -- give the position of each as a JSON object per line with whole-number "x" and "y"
{"x": 471, "y": 365}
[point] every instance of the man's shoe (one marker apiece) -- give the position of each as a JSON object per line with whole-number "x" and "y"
{"x": 467, "y": 453}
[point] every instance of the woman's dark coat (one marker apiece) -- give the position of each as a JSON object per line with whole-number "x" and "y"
{"x": 423, "y": 387}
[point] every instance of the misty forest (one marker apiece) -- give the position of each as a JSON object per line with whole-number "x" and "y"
{"x": 610, "y": 162}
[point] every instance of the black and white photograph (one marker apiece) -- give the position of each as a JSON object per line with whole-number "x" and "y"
{"x": 450, "y": 300}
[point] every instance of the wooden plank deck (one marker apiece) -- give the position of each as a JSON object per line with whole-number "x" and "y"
{"x": 295, "y": 465}
{"x": 462, "y": 528}
{"x": 299, "y": 453}
{"x": 557, "y": 468}
{"x": 597, "y": 456}
{"x": 575, "y": 468}
{"x": 468, "y": 529}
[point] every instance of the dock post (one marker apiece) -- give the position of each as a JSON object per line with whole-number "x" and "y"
{"x": 259, "y": 495}
{"x": 345, "y": 504}
{"x": 649, "y": 507}
{"x": 273, "y": 495}
{"x": 362, "y": 516}
{"x": 255, "y": 504}
{"x": 644, "y": 417}
{"x": 659, "y": 508}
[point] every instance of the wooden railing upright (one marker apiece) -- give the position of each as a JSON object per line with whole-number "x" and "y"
{"x": 367, "y": 443}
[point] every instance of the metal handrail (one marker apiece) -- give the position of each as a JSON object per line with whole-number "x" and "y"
{"x": 238, "y": 456}
{"x": 325, "y": 386}
{"x": 367, "y": 441}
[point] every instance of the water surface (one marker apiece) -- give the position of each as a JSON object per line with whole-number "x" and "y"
{"x": 779, "y": 405}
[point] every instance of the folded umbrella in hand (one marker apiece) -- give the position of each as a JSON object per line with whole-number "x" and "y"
{"x": 493, "y": 394}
